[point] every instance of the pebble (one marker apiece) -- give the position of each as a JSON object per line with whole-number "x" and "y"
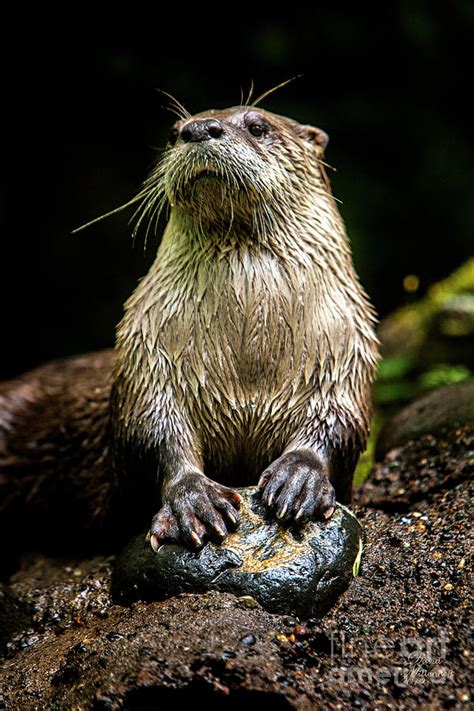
{"x": 248, "y": 639}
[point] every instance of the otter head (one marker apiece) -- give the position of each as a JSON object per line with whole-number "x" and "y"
{"x": 222, "y": 166}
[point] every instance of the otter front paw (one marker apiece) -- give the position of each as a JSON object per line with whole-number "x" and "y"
{"x": 296, "y": 487}
{"x": 195, "y": 508}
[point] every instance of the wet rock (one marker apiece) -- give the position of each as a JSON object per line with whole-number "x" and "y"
{"x": 15, "y": 615}
{"x": 445, "y": 407}
{"x": 286, "y": 570}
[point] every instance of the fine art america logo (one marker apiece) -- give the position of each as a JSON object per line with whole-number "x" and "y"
{"x": 411, "y": 660}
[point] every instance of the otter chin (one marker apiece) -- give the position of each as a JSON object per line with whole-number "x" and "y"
{"x": 247, "y": 352}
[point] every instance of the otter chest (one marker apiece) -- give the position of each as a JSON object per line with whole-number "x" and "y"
{"x": 239, "y": 334}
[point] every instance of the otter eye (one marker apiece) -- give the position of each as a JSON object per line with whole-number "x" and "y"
{"x": 173, "y": 136}
{"x": 256, "y": 129}
{"x": 256, "y": 124}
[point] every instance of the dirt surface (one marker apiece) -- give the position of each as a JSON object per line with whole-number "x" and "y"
{"x": 398, "y": 638}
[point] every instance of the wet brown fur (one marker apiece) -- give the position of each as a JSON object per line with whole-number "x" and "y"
{"x": 55, "y": 470}
{"x": 250, "y": 336}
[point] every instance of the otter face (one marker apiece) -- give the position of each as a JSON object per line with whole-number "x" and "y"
{"x": 222, "y": 163}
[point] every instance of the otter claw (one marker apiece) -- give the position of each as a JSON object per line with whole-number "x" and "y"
{"x": 298, "y": 482}
{"x": 155, "y": 543}
{"x": 195, "y": 509}
{"x": 195, "y": 539}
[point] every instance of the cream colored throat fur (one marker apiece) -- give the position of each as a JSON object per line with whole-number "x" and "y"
{"x": 231, "y": 345}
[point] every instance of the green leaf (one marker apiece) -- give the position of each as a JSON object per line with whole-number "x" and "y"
{"x": 356, "y": 566}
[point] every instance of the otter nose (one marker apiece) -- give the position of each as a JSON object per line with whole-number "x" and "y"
{"x": 202, "y": 130}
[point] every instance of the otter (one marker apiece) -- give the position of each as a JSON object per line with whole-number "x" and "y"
{"x": 247, "y": 352}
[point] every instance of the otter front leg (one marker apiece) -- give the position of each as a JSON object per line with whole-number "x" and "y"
{"x": 194, "y": 508}
{"x": 297, "y": 487}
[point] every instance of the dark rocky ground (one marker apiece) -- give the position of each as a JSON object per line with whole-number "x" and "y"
{"x": 398, "y": 637}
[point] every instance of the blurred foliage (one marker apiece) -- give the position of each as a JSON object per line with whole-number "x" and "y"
{"x": 413, "y": 337}
{"x": 447, "y": 307}
{"x": 443, "y": 374}
{"x": 366, "y": 461}
{"x": 396, "y": 390}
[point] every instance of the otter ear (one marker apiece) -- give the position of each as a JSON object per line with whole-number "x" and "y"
{"x": 316, "y": 136}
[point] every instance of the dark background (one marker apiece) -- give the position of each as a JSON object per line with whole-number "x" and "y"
{"x": 84, "y": 120}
